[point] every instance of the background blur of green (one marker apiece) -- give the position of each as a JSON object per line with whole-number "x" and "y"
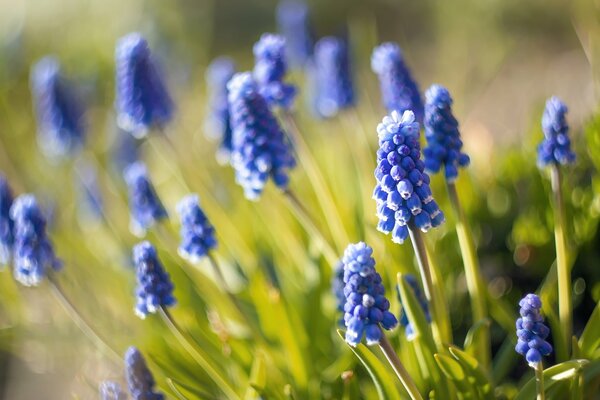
{"x": 500, "y": 59}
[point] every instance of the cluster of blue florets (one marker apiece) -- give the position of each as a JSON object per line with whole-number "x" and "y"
{"x": 197, "y": 233}
{"x": 144, "y": 205}
{"x": 409, "y": 331}
{"x": 556, "y": 146}
{"x": 399, "y": 90}
{"x": 260, "y": 149}
{"x": 294, "y": 25}
{"x": 6, "y": 223}
{"x": 219, "y": 72}
{"x": 154, "y": 287}
{"x": 531, "y": 331}
{"x": 444, "y": 147}
{"x": 366, "y": 310}
{"x": 143, "y": 100}
{"x": 139, "y": 378}
{"x": 402, "y": 192}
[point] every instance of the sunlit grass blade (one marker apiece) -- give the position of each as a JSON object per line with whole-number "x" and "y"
{"x": 590, "y": 338}
{"x": 563, "y": 371}
{"x": 475, "y": 373}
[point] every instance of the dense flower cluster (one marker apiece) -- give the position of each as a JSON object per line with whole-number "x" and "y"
{"x": 402, "y": 192}
{"x": 197, "y": 233}
{"x": 443, "y": 137}
{"x": 6, "y": 223}
{"x": 270, "y": 68}
{"x": 399, "y": 91}
{"x": 139, "y": 378}
{"x": 59, "y": 111}
{"x": 219, "y": 72}
{"x": 556, "y": 146}
{"x": 366, "y": 309}
{"x": 154, "y": 287}
{"x": 143, "y": 100}
{"x": 334, "y": 86}
{"x": 414, "y": 284}
{"x": 531, "y": 331}
{"x": 260, "y": 149}
{"x": 144, "y": 205}
{"x": 111, "y": 391}
{"x": 294, "y": 25}
{"x": 33, "y": 254}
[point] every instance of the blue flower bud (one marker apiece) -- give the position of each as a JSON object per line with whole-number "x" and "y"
{"x": 293, "y": 22}
{"x": 6, "y": 223}
{"x": 556, "y": 146}
{"x": 154, "y": 287}
{"x": 144, "y": 205}
{"x": 219, "y": 72}
{"x": 139, "y": 378}
{"x": 531, "y": 332}
{"x": 197, "y": 233}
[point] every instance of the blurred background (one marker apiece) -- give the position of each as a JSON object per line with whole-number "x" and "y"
{"x": 501, "y": 59}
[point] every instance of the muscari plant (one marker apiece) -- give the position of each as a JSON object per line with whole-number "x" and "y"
{"x": 270, "y": 333}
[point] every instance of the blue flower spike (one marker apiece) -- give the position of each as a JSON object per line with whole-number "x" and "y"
{"x": 59, "y": 111}
{"x": 154, "y": 286}
{"x": 334, "y": 85}
{"x": 6, "y": 223}
{"x": 33, "y": 253}
{"x": 444, "y": 146}
{"x": 366, "y": 310}
{"x": 409, "y": 331}
{"x": 139, "y": 378}
{"x": 111, "y": 391}
{"x": 402, "y": 192}
{"x": 555, "y": 148}
{"x": 531, "y": 331}
{"x": 197, "y": 233}
{"x": 145, "y": 207}
{"x": 270, "y": 69}
{"x": 218, "y": 124}
{"x": 399, "y": 91}
{"x": 294, "y": 25}
{"x": 142, "y": 99}
{"x": 260, "y": 149}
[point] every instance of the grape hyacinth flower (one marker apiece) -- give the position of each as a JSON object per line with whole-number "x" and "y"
{"x": 59, "y": 111}
{"x": 139, "y": 378}
{"x": 531, "y": 331}
{"x": 218, "y": 124}
{"x": 270, "y": 68}
{"x": 556, "y": 146}
{"x": 145, "y": 207}
{"x": 197, "y": 233}
{"x": 334, "y": 78}
{"x": 399, "y": 91}
{"x": 366, "y": 308}
{"x": 402, "y": 192}
{"x": 111, "y": 391}
{"x": 33, "y": 253}
{"x": 443, "y": 137}
{"x": 260, "y": 149}
{"x": 6, "y": 223}
{"x": 142, "y": 98}
{"x": 294, "y": 25}
{"x": 409, "y": 331}
{"x": 154, "y": 286}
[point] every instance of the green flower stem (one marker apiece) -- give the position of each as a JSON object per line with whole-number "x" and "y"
{"x": 565, "y": 310}
{"x": 399, "y": 369}
{"x": 81, "y": 323}
{"x": 475, "y": 283}
{"x": 421, "y": 253}
{"x": 443, "y": 317}
{"x": 539, "y": 381}
{"x": 222, "y": 382}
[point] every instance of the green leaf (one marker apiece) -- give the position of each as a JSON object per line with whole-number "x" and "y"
{"x": 475, "y": 373}
{"x": 563, "y": 371}
{"x": 478, "y": 329}
{"x": 590, "y": 339}
{"x": 453, "y": 370}
{"x": 258, "y": 379}
{"x": 183, "y": 391}
{"x": 415, "y": 313}
{"x": 383, "y": 380}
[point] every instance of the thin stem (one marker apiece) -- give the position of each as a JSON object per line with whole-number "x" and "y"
{"x": 443, "y": 317}
{"x": 564, "y": 274}
{"x": 81, "y": 323}
{"x": 428, "y": 288}
{"x": 399, "y": 369}
{"x": 475, "y": 283}
{"x": 221, "y": 382}
{"x": 539, "y": 381}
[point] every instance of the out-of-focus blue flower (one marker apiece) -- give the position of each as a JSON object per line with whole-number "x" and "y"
{"x": 366, "y": 309}
{"x": 197, "y": 233}
{"x": 218, "y": 124}
{"x": 408, "y": 328}
{"x": 337, "y": 287}
{"x": 294, "y": 25}
{"x": 139, "y": 378}
{"x": 399, "y": 91}
{"x": 154, "y": 286}
{"x": 142, "y": 98}
{"x": 144, "y": 205}
{"x": 33, "y": 253}
{"x": 556, "y": 146}
{"x": 531, "y": 331}
{"x": 59, "y": 111}
{"x": 335, "y": 90}
{"x": 111, "y": 391}
{"x": 260, "y": 149}
{"x": 270, "y": 68}
{"x": 444, "y": 147}
{"x": 402, "y": 192}
{"x": 6, "y": 223}
{"x": 90, "y": 203}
